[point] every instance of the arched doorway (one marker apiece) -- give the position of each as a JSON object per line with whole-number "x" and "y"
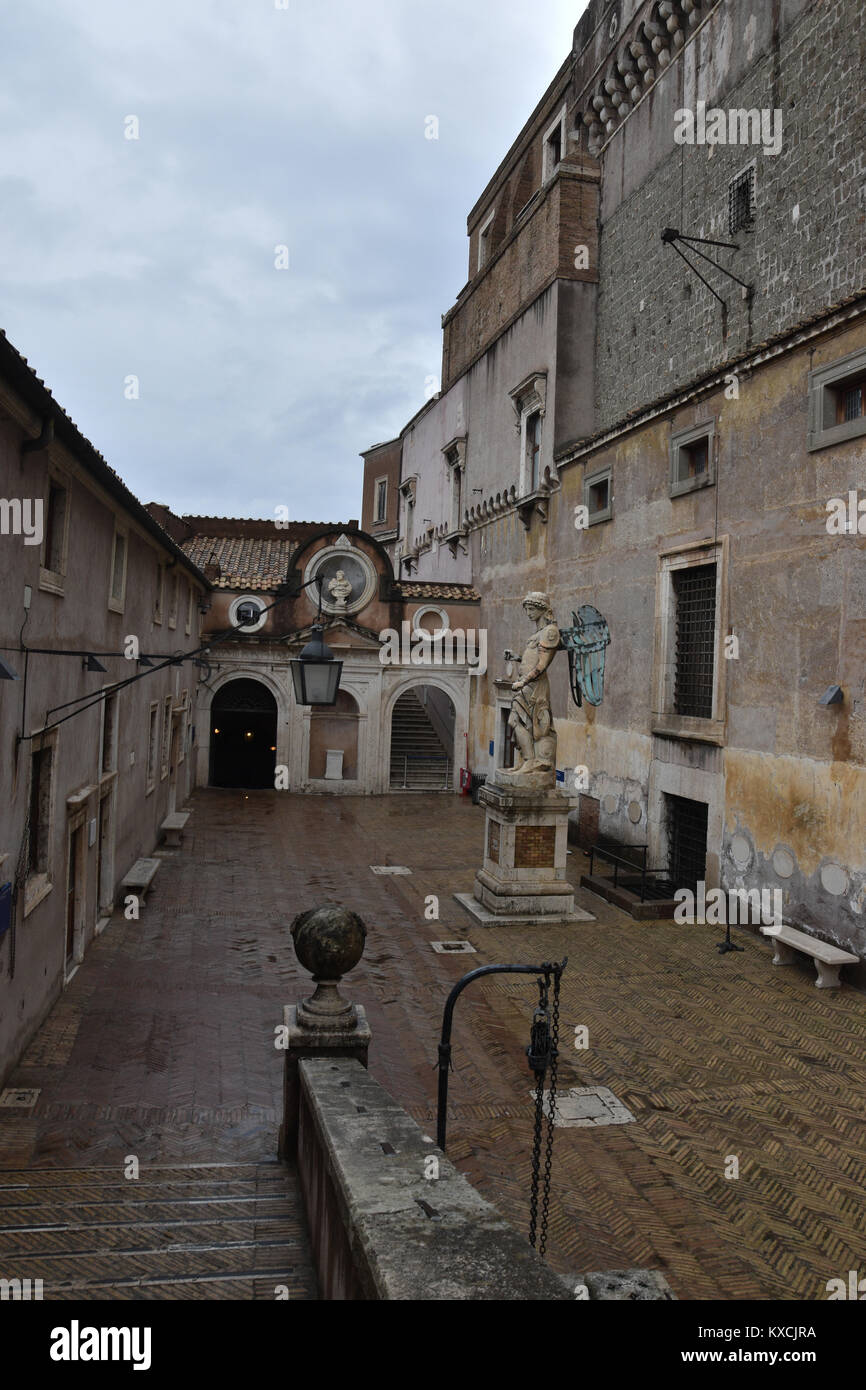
{"x": 243, "y": 735}
{"x": 422, "y": 740}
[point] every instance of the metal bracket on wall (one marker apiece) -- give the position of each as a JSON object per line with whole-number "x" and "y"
{"x": 671, "y": 236}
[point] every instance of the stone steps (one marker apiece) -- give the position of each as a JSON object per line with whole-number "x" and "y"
{"x": 204, "y": 1231}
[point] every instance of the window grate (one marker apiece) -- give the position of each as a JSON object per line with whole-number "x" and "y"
{"x": 741, "y": 201}
{"x": 853, "y": 402}
{"x": 695, "y": 598}
{"x": 687, "y": 841}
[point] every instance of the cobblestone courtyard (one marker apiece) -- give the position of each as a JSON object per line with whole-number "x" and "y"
{"x": 162, "y": 1047}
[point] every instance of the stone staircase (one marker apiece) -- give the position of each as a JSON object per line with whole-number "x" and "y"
{"x": 202, "y": 1231}
{"x": 419, "y": 760}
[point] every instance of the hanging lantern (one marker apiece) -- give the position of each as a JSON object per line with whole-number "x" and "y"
{"x": 316, "y": 673}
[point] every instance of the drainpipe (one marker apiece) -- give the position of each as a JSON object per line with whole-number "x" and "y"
{"x": 46, "y": 437}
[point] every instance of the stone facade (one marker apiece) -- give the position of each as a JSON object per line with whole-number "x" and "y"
{"x": 633, "y": 363}
{"x": 91, "y": 767}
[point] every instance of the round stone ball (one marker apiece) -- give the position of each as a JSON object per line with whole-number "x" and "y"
{"x": 329, "y": 941}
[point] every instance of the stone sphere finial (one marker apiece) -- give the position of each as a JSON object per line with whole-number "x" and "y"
{"x": 329, "y": 942}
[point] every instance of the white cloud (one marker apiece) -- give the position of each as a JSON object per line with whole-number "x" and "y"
{"x": 258, "y": 127}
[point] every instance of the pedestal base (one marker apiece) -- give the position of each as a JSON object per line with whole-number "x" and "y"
{"x": 486, "y": 918}
{"x": 522, "y": 880}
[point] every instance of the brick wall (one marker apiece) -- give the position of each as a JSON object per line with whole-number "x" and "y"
{"x": 539, "y": 249}
{"x": 658, "y": 326}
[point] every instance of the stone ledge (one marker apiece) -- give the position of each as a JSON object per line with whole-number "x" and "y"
{"x": 408, "y": 1237}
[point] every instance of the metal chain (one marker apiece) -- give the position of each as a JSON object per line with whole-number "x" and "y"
{"x": 536, "y": 1138}
{"x": 536, "y": 1159}
{"x": 551, "y": 1115}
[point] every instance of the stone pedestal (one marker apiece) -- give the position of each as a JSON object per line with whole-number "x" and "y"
{"x": 329, "y": 941}
{"x": 319, "y": 1041}
{"x": 522, "y": 879}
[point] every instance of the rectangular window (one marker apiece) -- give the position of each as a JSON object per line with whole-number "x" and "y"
{"x": 692, "y": 459}
{"x": 695, "y": 628}
{"x": 741, "y": 200}
{"x": 598, "y": 496}
{"x": 41, "y": 770}
{"x": 190, "y": 606}
{"x": 54, "y": 543}
{"x": 381, "y": 499}
{"x": 533, "y": 450}
{"x": 174, "y": 586}
{"x": 152, "y": 747}
{"x": 118, "y": 571}
{"x": 109, "y": 734}
{"x": 554, "y": 146}
{"x": 485, "y": 239}
{"x": 166, "y": 736}
{"x": 837, "y": 401}
{"x": 159, "y": 593}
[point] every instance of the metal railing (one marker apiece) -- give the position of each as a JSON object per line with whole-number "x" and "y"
{"x": 425, "y": 758}
{"x": 618, "y": 859}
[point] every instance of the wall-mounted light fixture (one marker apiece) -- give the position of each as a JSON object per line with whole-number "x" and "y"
{"x": 833, "y": 695}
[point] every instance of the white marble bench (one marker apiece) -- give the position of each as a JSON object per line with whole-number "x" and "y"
{"x": 173, "y": 828}
{"x": 140, "y": 877}
{"x": 828, "y": 959}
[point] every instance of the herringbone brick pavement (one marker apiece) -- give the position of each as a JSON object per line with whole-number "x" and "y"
{"x": 162, "y": 1046}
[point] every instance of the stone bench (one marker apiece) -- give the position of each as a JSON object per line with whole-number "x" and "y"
{"x": 828, "y": 959}
{"x": 140, "y": 877}
{"x": 173, "y": 828}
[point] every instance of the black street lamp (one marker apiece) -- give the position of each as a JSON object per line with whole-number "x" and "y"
{"x": 316, "y": 672}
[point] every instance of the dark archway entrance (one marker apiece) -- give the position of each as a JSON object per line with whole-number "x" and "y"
{"x": 243, "y": 735}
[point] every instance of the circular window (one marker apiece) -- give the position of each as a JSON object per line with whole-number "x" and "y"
{"x": 430, "y": 622}
{"x": 348, "y": 579}
{"x": 248, "y": 613}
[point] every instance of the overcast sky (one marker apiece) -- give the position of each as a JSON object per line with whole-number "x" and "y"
{"x": 258, "y": 127}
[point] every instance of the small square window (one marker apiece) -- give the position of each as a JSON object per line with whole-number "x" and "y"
{"x": 692, "y": 459}
{"x": 598, "y": 496}
{"x": 837, "y": 401}
{"x": 741, "y": 200}
{"x": 554, "y": 146}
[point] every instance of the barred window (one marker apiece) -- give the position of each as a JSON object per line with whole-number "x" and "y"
{"x": 741, "y": 200}
{"x": 695, "y": 599}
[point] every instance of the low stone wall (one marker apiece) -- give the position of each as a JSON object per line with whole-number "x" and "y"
{"x": 380, "y": 1228}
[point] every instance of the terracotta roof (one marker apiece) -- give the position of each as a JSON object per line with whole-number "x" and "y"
{"x": 245, "y": 562}
{"x": 416, "y": 588}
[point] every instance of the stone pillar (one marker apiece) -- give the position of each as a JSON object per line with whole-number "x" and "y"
{"x": 329, "y": 942}
{"x": 522, "y": 880}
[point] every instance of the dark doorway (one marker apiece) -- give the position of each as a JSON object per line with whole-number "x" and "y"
{"x": 243, "y": 735}
{"x": 687, "y": 841}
